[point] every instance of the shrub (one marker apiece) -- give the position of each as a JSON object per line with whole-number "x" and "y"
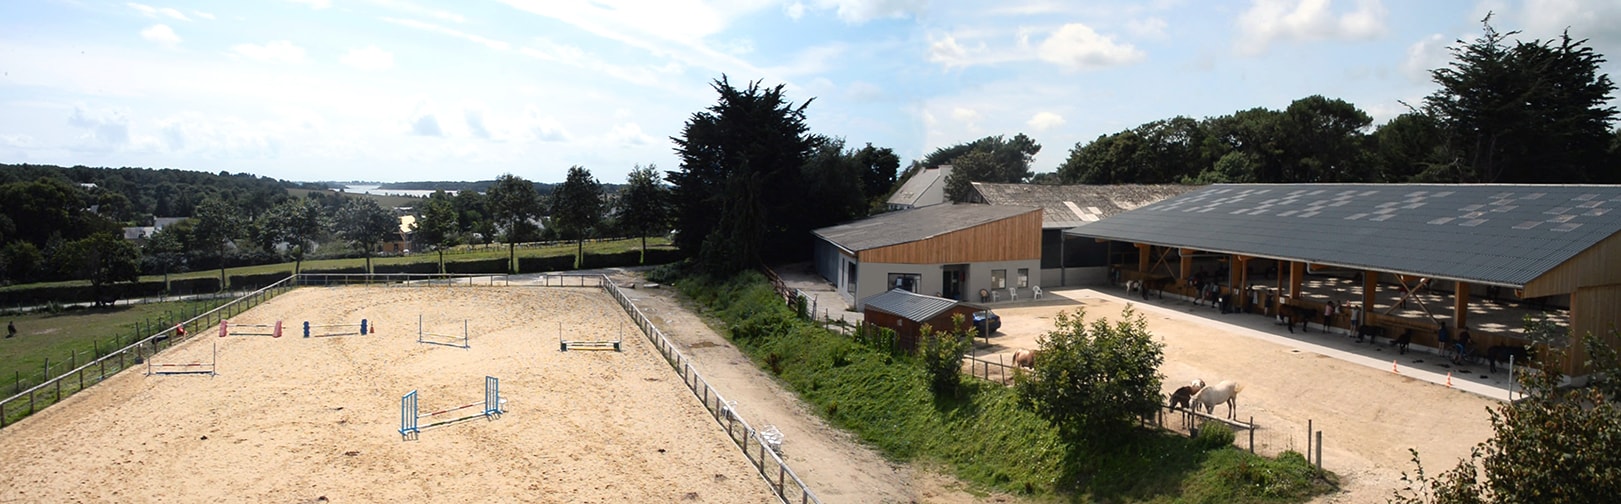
{"x": 941, "y": 353}
{"x": 1214, "y": 435}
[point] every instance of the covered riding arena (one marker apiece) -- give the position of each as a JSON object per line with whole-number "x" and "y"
{"x": 1409, "y": 259}
{"x": 297, "y": 419}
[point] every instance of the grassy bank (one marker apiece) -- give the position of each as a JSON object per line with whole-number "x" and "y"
{"x": 78, "y": 335}
{"x": 982, "y": 434}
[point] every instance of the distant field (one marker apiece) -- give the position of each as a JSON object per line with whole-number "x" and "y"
{"x": 387, "y": 201}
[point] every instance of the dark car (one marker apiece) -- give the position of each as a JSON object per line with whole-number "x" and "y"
{"x": 987, "y": 322}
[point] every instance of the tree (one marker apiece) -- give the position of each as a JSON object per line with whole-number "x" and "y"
{"x": 644, "y": 204}
{"x": 103, "y": 259}
{"x": 512, "y": 203}
{"x": 941, "y": 353}
{"x": 1093, "y": 381}
{"x": 833, "y": 178}
{"x": 216, "y": 225}
{"x": 577, "y": 208}
{"x": 20, "y": 261}
{"x": 438, "y": 227}
{"x": 165, "y": 248}
{"x": 878, "y": 167}
{"x": 975, "y": 166}
{"x": 1409, "y": 148}
{"x": 737, "y": 195}
{"x": 294, "y": 221}
{"x": 1556, "y": 445}
{"x": 1532, "y": 112}
{"x": 1007, "y": 161}
{"x": 365, "y": 224}
{"x": 1324, "y": 141}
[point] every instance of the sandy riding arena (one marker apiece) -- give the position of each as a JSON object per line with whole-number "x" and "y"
{"x": 292, "y": 419}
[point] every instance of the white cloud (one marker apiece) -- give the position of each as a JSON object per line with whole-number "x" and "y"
{"x": 369, "y": 58}
{"x": 794, "y": 10}
{"x": 202, "y": 15}
{"x": 486, "y": 42}
{"x": 967, "y": 117}
{"x": 1596, "y": 20}
{"x": 475, "y": 123}
{"x": 1043, "y": 121}
{"x": 1077, "y": 47}
{"x": 948, "y": 52}
{"x": 861, "y": 11}
{"x": 314, "y": 4}
{"x": 276, "y": 50}
{"x": 628, "y": 134}
{"x": 537, "y": 126}
{"x": 154, "y": 12}
{"x": 17, "y": 140}
{"x": 161, "y": 34}
{"x": 1269, "y": 20}
{"x": 1146, "y": 28}
{"x": 1427, "y": 54}
{"x": 104, "y": 129}
{"x": 864, "y": 91}
{"x": 547, "y": 50}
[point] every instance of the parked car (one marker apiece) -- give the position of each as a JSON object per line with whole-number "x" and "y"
{"x": 987, "y": 322}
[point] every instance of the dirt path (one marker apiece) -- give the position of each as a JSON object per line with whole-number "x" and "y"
{"x": 837, "y": 467}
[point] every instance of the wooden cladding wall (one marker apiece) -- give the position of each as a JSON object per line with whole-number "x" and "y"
{"x": 1015, "y": 238}
{"x": 1595, "y": 311}
{"x": 1598, "y": 265}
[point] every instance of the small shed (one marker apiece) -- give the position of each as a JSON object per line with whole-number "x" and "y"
{"x": 905, "y": 312}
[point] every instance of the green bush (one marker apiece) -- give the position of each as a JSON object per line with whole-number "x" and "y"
{"x": 1214, "y": 435}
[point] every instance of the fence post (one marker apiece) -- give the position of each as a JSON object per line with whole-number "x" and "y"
{"x": 1319, "y": 451}
{"x": 1252, "y": 434}
{"x": 75, "y": 365}
{"x": 1308, "y": 440}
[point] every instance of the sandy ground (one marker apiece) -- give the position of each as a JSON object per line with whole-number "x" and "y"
{"x": 1369, "y": 415}
{"x": 315, "y": 420}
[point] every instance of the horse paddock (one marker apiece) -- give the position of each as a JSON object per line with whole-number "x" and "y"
{"x": 295, "y": 419}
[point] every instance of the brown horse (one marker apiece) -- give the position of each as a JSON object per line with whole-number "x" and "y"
{"x": 1184, "y": 394}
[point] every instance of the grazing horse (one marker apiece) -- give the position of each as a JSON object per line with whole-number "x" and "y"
{"x": 1025, "y": 358}
{"x": 1224, "y": 392}
{"x": 1402, "y": 341}
{"x": 1184, "y": 394}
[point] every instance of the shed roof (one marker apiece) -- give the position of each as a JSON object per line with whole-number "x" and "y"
{"x": 1486, "y": 233}
{"x": 909, "y": 305}
{"x": 1067, "y": 206}
{"x": 912, "y": 192}
{"x": 905, "y": 226}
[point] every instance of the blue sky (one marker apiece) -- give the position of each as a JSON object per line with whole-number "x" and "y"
{"x": 397, "y": 90}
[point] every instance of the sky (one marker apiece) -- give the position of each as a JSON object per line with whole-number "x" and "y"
{"x": 412, "y": 90}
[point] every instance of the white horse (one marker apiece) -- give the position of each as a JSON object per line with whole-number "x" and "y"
{"x": 1224, "y": 392}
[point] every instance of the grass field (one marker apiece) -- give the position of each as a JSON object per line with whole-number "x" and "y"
{"x": 79, "y": 335}
{"x": 386, "y": 200}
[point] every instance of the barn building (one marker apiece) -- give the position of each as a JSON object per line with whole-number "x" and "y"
{"x": 950, "y": 251}
{"x": 1067, "y": 259}
{"x": 1557, "y": 246}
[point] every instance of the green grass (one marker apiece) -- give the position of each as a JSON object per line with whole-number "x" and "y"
{"x": 982, "y": 434}
{"x": 80, "y": 335}
{"x": 385, "y": 200}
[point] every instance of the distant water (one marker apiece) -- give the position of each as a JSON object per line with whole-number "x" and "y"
{"x": 372, "y": 189}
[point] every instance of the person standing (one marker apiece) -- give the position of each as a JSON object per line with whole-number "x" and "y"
{"x": 11, "y": 328}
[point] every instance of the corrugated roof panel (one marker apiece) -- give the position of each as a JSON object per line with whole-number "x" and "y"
{"x": 909, "y": 305}
{"x": 1485, "y": 233}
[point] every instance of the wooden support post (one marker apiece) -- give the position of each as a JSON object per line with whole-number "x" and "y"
{"x": 1370, "y": 291}
{"x": 1186, "y": 270}
{"x": 1242, "y": 289}
{"x": 1460, "y": 305}
{"x": 1297, "y": 275}
{"x": 1144, "y": 250}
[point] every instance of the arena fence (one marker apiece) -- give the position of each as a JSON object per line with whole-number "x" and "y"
{"x": 56, "y": 387}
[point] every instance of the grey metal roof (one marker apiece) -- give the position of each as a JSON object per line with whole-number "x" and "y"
{"x": 913, "y": 192}
{"x": 904, "y": 226}
{"x": 1067, "y": 206}
{"x": 1492, "y": 234}
{"x": 909, "y": 305}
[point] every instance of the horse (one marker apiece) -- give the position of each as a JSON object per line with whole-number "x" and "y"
{"x": 1501, "y": 353}
{"x": 1185, "y": 393}
{"x": 1025, "y": 358}
{"x": 1405, "y": 339}
{"x": 1224, "y": 392}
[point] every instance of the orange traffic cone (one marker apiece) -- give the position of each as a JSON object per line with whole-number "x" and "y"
{"x": 1449, "y": 379}
{"x": 1393, "y": 367}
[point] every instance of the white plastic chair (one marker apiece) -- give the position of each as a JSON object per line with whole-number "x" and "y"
{"x": 1013, "y": 294}
{"x": 1035, "y": 291}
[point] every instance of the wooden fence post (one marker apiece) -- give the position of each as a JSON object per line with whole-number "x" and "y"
{"x": 1252, "y": 434}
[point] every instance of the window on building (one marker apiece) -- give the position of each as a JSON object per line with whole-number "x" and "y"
{"x": 999, "y": 279}
{"x": 850, "y": 278}
{"x": 906, "y": 281}
{"x": 1024, "y": 278}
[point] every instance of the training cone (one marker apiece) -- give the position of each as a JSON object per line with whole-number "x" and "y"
{"x": 1393, "y": 367}
{"x": 1449, "y": 379}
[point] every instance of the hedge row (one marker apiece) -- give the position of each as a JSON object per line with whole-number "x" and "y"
{"x": 29, "y": 296}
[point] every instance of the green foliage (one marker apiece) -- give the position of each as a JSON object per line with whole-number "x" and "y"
{"x": 103, "y": 259}
{"x": 738, "y": 194}
{"x": 577, "y": 206}
{"x": 644, "y": 204}
{"x": 365, "y": 225}
{"x": 216, "y": 224}
{"x": 1004, "y": 161}
{"x": 940, "y": 354}
{"x": 512, "y": 201}
{"x": 1556, "y": 445}
{"x": 982, "y": 433}
{"x": 1535, "y": 111}
{"x": 438, "y": 226}
{"x": 1213, "y": 435}
{"x": 1093, "y": 381}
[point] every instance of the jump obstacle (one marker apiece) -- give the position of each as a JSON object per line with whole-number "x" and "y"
{"x": 442, "y": 339}
{"x": 490, "y": 406}
{"x": 207, "y": 368}
{"x": 226, "y": 326}
{"x": 565, "y": 345}
{"x": 337, "y": 329}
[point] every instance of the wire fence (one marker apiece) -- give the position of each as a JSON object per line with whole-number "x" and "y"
{"x": 62, "y": 380}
